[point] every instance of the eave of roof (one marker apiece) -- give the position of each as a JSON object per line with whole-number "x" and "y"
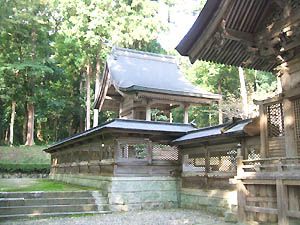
{"x": 203, "y": 134}
{"x": 129, "y": 125}
{"x": 171, "y": 92}
{"x": 239, "y": 16}
{"x": 198, "y": 27}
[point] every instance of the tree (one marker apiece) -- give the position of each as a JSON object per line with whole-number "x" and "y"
{"x": 25, "y": 36}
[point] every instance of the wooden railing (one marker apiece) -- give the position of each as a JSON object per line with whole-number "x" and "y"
{"x": 267, "y": 166}
{"x": 265, "y": 187}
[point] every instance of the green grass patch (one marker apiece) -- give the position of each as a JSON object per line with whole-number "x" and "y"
{"x": 24, "y": 154}
{"x": 24, "y": 168}
{"x": 26, "y": 185}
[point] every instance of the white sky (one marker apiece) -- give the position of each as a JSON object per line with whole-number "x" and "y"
{"x": 181, "y": 20}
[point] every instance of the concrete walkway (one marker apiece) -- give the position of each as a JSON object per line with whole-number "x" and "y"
{"x": 152, "y": 217}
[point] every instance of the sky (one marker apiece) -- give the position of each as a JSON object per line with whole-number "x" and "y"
{"x": 182, "y": 18}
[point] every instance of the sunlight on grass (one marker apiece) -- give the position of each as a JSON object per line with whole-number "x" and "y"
{"x": 24, "y": 185}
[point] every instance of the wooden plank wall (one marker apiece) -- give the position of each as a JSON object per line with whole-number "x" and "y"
{"x": 276, "y": 147}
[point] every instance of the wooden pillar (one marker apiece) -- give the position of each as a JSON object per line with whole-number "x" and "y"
{"x": 282, "y": 202}
{"x": 148, "y": 112}
{"x": 207, "y": 164}
{"x": 289, "y": 128}
{"x": 241, "y": 197}
{"x": 263, "y": 132}
{"x": 186, "y": 114}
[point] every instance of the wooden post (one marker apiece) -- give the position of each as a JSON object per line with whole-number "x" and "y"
{"x": 263, "y": 132}
{"x": 186, "y": 114}
{"x": 289, "y": 128}
{"x": 148, "y": 112}
{"x": 241, "y": 197}
{"x": 207, "y": 163}
{"x": 282, "y": 202}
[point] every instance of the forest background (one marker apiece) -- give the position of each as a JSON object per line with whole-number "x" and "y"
{"x": 52, "y": 55}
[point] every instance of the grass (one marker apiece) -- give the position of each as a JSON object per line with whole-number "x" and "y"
{"x": 24, "y": 154}
{"x": 26, "y": 185}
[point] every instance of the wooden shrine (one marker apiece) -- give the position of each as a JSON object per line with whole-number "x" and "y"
{"x": 262, "y": 35}
{"x": 134, "y": 82}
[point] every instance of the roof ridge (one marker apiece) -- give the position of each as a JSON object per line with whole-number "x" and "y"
{"x": 156, "y": 122}
{"x": 141, "y": 54}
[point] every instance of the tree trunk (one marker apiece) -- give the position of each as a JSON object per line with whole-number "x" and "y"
{"x": 24, "y": 131}
{"x": 12, "y": 121}
{"x": 39, "y": 132}
{"x": 97, "y": 84}
{"x": 220, "y": 103}
{"x": 81, "y": 123}
{"x": 243, "y": 93}
{"x": 6, "y": 137}
{"x": 88, "y": 95}
{"x": 30, "y": 125}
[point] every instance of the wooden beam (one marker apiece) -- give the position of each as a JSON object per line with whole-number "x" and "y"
{"x": 148, "y": 112}
{"x": 261, "y": 210}
{"x": 186, "y": 114}
{"x": 240, "y": 36}
{"x": 289, "y": 128}
{"x": 263, "y": 132}
{"x": 282, "y": 202}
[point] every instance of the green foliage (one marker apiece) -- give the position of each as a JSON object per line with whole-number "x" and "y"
{"x": 24, "y": 168}
{"x": 24, "y": 155}
{"x": 16, "y": 185}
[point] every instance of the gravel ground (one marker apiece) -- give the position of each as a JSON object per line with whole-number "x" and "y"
{"x": 151, "y": 217}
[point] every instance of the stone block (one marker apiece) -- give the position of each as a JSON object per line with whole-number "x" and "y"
{"x": 230, "y": 217}
{"x": 151, "y": 196}
{"x": 152, "y": 205}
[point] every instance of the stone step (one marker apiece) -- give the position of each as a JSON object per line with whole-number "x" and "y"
{"x": 51, "y": 194}
{"x": 52, "y": 209}
{"x": 230, "y": 216}
{"x": 43, "y": 215}
{"x": 7, "y": 202}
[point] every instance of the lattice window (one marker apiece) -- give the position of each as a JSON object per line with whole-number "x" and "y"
{"x": 133, "y": 151}
{"x": 297, "y": 117}
{"x": 225, "y": 162}
{"x": 197, "y": 164}
{"x": 164, "y": 152}
{"x": 275, "y": 120}
{"x": 253, "y": 154}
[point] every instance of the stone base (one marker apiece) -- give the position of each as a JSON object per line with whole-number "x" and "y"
{"x": 218, "y": 202}
{"x": 131, "y": 193}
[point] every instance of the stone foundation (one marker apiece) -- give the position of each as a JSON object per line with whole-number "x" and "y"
{"x": 220, "y": 202}
{"x": 131, "y": 193}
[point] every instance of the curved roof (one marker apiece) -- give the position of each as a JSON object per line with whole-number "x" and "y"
{"x": 237, "y": 33}
{"x": 132, "y": 70}
{"x": 129, "y": 125}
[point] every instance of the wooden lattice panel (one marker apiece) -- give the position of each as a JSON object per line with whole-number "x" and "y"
{"x": 164, "y": 152}
{"x": 297, "y": 117}
{"x": 196, "y": 163}
{"x": 133, "y": 151}
{"x": 224, "y": 163}
{"x": 275, "y": 120}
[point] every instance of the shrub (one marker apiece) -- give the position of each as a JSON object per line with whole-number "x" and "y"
{"x": 24, "y": 168}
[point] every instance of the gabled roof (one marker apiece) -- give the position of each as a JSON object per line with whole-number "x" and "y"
{"x": 226, "y": 129}
{"x": 129, "y": 125}
{"x": 132, "y": 70}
